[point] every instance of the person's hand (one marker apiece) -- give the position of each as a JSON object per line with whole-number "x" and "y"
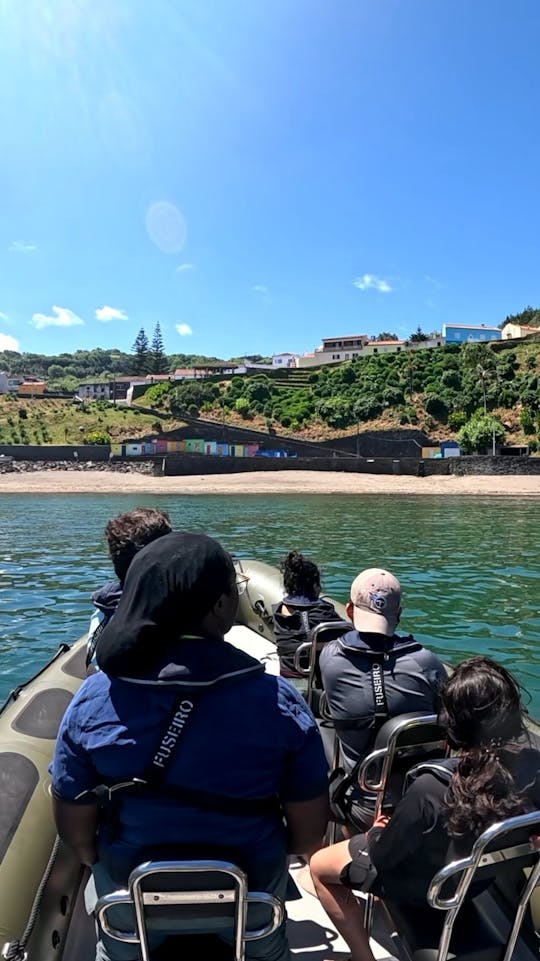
{"x": 383, "y": 820}
{"x": 535, "y": 839}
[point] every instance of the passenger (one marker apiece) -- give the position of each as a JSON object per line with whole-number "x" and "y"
{"x": 301, "y": 609}
{"x": 247, "y": 778}
{"x": 371, "y": 674}
{"x": 495, "y": 775}
{"x": 126, "y": 535}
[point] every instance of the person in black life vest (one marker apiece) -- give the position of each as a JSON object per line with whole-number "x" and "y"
{"x": 301, "y": 609}
{"x": 371, "y": 674}
{"x": 494, "y": 775}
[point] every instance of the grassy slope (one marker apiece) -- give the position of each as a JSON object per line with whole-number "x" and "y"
{"x": 63, "y": 422}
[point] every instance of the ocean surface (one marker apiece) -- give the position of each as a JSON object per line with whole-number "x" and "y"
{"x": 470, "y": 567}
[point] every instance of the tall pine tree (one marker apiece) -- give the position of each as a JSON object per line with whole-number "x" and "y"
{"x": 143, "y": 358}
{"x": 160, "y": 364}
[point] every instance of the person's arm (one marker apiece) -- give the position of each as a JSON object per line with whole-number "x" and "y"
{"x": 390, "y": 847}
{"x": 77, "y": 825}
{"x": 306, "y": 824}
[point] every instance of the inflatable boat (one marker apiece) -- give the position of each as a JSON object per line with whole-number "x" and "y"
{"x": 42, "y": 915}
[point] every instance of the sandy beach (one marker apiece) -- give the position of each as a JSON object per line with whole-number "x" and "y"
{"x": 286, "y": 482}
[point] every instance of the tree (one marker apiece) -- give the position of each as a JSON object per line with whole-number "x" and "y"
{"x": 142, "y": 354}
{"x": 529, "y": 317}
{"x": 385, "y": 335}
{"x": 480, "y": 433}
{"x": 418, "y": 337}
{"x": 159, "y": 363}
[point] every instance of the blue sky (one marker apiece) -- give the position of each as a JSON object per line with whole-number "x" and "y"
{"x": 258, "y": 175}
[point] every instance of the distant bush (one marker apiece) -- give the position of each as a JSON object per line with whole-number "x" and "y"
{"x": 526, "y": 421}
{"x": 23, "y": 413}
{"x": 478, "y": 433}
{"x": 242, "y": 407}
{"x": 457, "y": 419}
{"x": 98, "y": 437}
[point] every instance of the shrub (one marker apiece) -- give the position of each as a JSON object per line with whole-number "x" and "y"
{"x": 97, "y": 437}
{"x": 533, "y": 446}
{"x": 23, "y": 413}
{"x": 242, "y": 407}
{"x": 457, "y": 419}
{"x": 437, "y": 407}
{"x": 477, "y": 434}
{"x": 526, "y": 421}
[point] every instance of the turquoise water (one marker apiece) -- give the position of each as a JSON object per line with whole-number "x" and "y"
{"x": 470, "y": 568}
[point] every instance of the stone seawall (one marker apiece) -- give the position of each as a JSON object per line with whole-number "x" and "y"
{"x": 10, "y": 466}
{"x": 181, "y": 465}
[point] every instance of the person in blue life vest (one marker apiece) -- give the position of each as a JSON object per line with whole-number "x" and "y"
{"x": 301, "y": 609}
{"x": 371, "y": 673}
{"x": 126, "y": 534}
{"x": 245, "y": 772}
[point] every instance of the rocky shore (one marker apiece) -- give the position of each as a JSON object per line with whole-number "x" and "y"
{"x": 10, "y": 466}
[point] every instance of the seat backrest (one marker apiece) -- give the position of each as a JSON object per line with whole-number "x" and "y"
{"x": 306, "y": 656}
{"x": 189, "y": 897}
{"x": 401, "y": 742}
{"x": 508, "y": 842}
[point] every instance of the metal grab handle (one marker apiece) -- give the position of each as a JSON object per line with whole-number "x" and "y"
{"x": 301, "y": 649}
{"x": 278, "y": 914}
{"x": 363, "y": 781}
{"x": 104, "y": 905}
{"x": 437, "y": 883}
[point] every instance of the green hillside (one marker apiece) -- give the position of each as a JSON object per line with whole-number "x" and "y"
{"x": 438, "y": 390}
{"x": 466, "y": 392}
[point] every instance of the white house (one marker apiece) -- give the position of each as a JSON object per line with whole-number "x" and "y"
{"x": 9, "y": 384}
{"x": 283, "y": 360}
{"x": 512, "y": 331}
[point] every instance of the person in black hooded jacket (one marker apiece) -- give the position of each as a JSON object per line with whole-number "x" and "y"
{"x": 126, "y": 535}
{"x": 301, "y": 609}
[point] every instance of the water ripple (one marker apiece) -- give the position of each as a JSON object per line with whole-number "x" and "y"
{"x": 469, "y": 567}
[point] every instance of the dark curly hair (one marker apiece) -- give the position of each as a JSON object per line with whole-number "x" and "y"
{"x": 484, "y": 717}
{"x": 300, "y": 576}
{"x": 128, "y": 533}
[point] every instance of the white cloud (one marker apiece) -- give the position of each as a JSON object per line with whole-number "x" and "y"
{"x": 184, "y": 268}
{"x": 7, "y": 342}
{"x": 372, "y": 282}
{"x": 259, "y": 289}
{"x": 22, "y": 247}
{"x": 110, "y": 313}
{"x": 61, "y": 317}
{"x": 184, "y": 330}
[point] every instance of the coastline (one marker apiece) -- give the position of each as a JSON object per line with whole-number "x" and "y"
{"x": 286, "y": 482}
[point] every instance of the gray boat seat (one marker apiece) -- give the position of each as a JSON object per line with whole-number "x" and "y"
{"x": 466, "y": 918}
{"x": 401, "y": 742}
{"x": 191, "y": 900}
{"x": 306, "y": 657}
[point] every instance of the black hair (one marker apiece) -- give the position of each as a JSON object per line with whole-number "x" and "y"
{"x": 300, "y": 576}
{"x": 484, "y": 717}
